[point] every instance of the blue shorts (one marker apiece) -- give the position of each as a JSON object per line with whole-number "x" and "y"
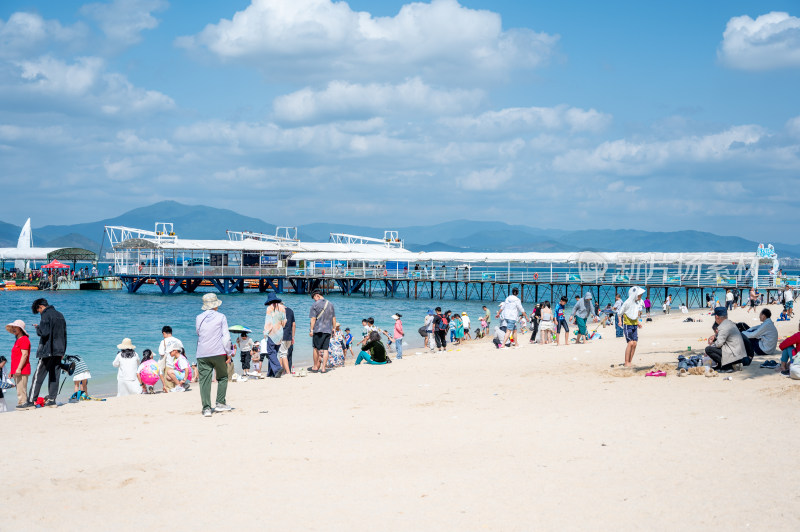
{"x": 511, "y": 325}
{"x": 631, "y": 333}
{"x": 789, "y": 303}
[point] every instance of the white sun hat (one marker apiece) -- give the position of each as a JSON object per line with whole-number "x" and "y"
{"x": 211, "y": 301}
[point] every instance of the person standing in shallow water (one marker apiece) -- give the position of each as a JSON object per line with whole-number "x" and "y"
{"x": 214, "y": 352}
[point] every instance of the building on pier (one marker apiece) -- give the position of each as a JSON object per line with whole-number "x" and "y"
{"x": 355, "y": 265}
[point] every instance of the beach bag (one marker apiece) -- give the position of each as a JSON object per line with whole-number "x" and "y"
{"x": 423, "y": 331}
{"x": 794, "y": 372}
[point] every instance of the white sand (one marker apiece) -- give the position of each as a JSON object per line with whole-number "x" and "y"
{"x": 474, "y": 439}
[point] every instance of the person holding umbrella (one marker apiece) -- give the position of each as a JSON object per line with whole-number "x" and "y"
{"x": 214, "y": 351}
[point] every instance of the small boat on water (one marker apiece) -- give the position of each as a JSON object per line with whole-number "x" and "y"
{"x": 12, "y": 285}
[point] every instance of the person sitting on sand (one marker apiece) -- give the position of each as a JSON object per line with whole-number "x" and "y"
{"x": 783, "y": 316}
{"x": 630, "y": 312}
{"x": 127, "y": 364}
{"x": 373, "y": 352}
{"x": 726, "y": 347}
{"x": 789, "y": 349}
{"x": 176, "y": 365}
{"x": 764, "y": 337}
{"x": 499, "y": 336}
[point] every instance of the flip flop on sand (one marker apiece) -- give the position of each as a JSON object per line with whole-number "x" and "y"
{"x": 656, "y": 374}
{"x": 312, "y": 370}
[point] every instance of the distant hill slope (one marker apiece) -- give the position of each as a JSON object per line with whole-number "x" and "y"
{"x": 191, "y": 221}
{"x": 200, "y": 221}
{"x": 9, "y": 234}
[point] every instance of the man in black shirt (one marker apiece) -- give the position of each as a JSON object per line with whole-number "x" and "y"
{"x": 52, "y": 331}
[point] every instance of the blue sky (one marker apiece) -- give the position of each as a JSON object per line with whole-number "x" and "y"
{"x": 573, "y": 115}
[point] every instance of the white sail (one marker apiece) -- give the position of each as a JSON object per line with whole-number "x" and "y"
{"x": 25, "y": 242}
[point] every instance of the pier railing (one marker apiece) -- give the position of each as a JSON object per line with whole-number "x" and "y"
{"x": 657, "y": 276}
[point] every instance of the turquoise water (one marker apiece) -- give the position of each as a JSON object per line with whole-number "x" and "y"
{"x": 98, "y": 321}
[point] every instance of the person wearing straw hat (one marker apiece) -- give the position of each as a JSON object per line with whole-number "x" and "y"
{"x": 20, "y": 368}
{"x": 127, "y": 364}
{"x": 214, "y": 352}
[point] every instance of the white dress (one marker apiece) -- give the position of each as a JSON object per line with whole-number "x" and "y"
{"x": 127, "y": 382}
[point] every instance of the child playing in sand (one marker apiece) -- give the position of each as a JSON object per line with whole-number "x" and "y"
{"x": 522, "y": 325}
{"x": 177, "y": 365}
{"x": 255, "y": 357}
{"x": 348, "y": 339}
{"x": 80, "y": 377}
{"x": 147, "y": 362}
{"x": 783, "y": 316}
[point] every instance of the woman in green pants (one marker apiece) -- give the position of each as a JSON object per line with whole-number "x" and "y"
{"x": 214, "y": 351}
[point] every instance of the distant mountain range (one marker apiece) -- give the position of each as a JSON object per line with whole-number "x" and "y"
{"x": 199, "y": 221}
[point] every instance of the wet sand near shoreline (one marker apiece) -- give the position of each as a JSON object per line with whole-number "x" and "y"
{"x": 539, "y": 437}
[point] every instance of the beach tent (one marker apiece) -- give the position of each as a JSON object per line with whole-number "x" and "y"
{"x": 55, "y": 265}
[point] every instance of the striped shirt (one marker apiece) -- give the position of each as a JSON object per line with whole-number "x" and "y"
{"x": 80, "y": 365}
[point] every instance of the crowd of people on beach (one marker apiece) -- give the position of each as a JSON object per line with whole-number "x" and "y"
{"x": 731, "y": 346}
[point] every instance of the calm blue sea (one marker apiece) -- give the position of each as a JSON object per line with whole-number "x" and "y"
{"x": 98, "y": 320}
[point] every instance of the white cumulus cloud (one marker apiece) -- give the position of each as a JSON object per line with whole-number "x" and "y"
{"x": 86, "y": 84}
{"x": 626, "y": 157}
{"x": 486, "y": 179}
{"x": 123, "y": 21}
{"x": 314, "y": 38}
{"x": 341, "y": 99}
{"x": 770, "y": 41}
{"x": 793, "y": 126}
{"x": 24, "y": 33}
{"x": 514, "y": 120}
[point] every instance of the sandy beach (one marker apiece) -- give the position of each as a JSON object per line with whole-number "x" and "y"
{"x": 539, "y": 437}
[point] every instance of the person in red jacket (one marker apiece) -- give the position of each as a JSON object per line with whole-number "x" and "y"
{"x": 789, "y": 348}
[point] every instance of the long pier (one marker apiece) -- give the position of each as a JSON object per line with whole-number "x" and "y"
{"x": 487, "y": 286}
{"x": 366, "y": 266}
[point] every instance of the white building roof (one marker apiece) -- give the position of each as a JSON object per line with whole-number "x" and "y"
{"x": 25, "y": 253}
